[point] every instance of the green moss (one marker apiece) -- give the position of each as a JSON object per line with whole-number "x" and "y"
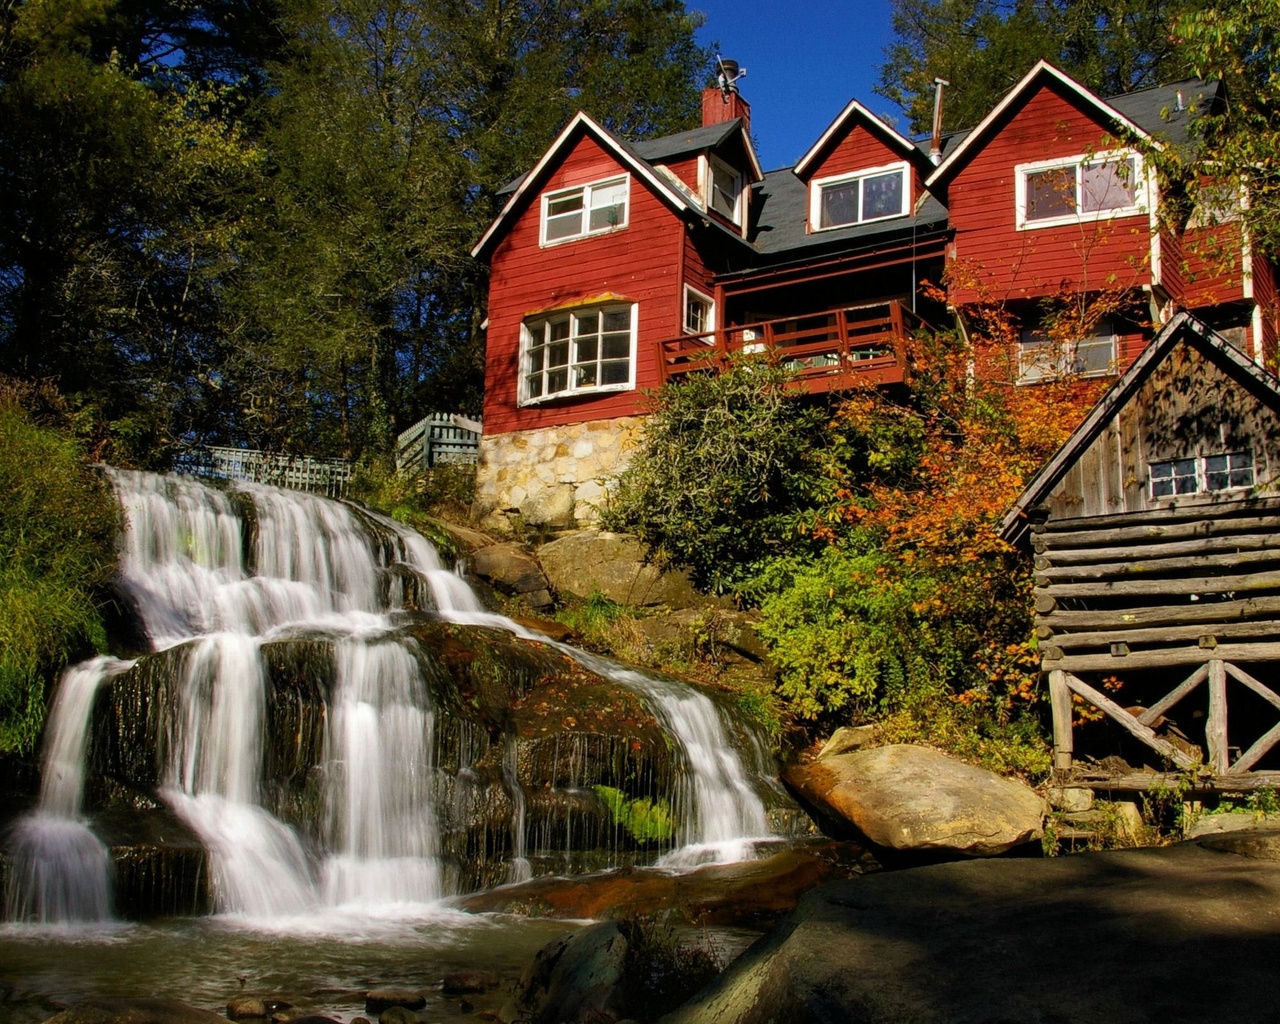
{"x": 647, "y": 821}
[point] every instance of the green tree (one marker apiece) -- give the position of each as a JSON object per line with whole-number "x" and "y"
{"x": 983, "y": 47}
{"x": 1236, "y": 42}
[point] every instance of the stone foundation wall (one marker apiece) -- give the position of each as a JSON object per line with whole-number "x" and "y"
{"x": 555, "y": 476}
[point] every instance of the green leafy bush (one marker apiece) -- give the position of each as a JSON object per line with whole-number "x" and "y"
{"x": 58, "y": 522}
{"x": 724, "y": 473}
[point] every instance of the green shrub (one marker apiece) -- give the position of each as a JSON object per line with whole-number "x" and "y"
{"x": 725, "y": 471}
{"x": 58, "y": 522}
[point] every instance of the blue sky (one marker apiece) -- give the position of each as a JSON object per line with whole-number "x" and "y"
{"x": 805, "y": 60}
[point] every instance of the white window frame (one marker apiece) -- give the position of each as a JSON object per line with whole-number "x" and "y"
{"x": 1141, "y": 189}
{"x": 710, "y": 164}
{"x": 690, "y": 294}
{"x": 534, "y": 336}
{"x": 818, "y": 184}
{"x": 587, "y": 191}
{"x": 1033, "y": 371}
{"x": 1199, "y": 471}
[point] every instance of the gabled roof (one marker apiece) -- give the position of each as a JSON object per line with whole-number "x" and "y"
{"x": 1182, "y": 329}
{"x": 580, "y": 126}
{"x": 1041, "y": 74}
{"x": 697, "y": 140}
{"x": 854, "y": 112}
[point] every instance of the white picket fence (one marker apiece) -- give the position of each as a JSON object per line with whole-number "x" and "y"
{"x": 438, "y": 438}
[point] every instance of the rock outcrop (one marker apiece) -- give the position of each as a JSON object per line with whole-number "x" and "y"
{"x": 1178, "y": 935}
{"x": 908, "y": 798}
{"x": 613, "y": 565}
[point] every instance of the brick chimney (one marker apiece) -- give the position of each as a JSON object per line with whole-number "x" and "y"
{"x": 719, "y": 105}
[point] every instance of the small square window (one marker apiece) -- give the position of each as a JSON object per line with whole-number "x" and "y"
{"x": 699, "y": 312}
{"x": 1177, "y": 476}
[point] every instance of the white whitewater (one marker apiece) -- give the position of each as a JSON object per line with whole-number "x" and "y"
{"x": 315, "y": 568}
{"x": 63, "y": 868}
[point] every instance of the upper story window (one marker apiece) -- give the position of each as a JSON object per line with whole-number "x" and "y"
{"x": 1202, "y": 474}
{"x": 583, "y": 210}
{"x": 724, "y": 190}
{"x": 699, "y": 312}
{"x": 578, "y": 351}
{"x": 1043, "y": 358}
{"x": 874, "y": 194}
{"x": 1052, "y": 192}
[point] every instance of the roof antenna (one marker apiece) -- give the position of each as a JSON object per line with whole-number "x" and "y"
{"x": 935, "y": 146}
{"x": 728, "y": 73}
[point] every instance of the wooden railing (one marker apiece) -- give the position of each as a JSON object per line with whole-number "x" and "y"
{"x": 828, "y": 351}
{"x": 296, "y": 472}
{"x": 440, "y": 437}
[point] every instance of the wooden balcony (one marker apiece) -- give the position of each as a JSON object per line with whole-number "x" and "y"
{"x": 828, "y": 351}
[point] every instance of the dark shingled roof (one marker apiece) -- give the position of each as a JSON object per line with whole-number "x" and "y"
{"x": 692, "y": 141}
{"x": 1156, "y": 111}
{"x": 782, "y": 200}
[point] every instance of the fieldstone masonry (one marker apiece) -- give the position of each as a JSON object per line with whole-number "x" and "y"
{"x": 555, "y": 476}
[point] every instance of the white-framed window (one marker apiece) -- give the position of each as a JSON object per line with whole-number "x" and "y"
{"x": 1201, "y": 474}
{"x": 1081, "y": 188}
{"x": 583, "y": 210}
{"x": 699, "y": 312}
{"x": 1043, "y": 358}
{"x": 578, "y": 351}
{"x": 723, "y": 192}
{"x": 877, "y": 193}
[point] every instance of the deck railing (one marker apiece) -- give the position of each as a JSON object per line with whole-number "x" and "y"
{"x": 828, "y": 351}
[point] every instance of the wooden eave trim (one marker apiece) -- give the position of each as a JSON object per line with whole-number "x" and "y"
{"x": 534, "y": 178}
{"x": 1042, "y": 67}
{"x": 874, "y": 123}
{"x": 1184, "y": 325}
{"x": 580, "y": 302}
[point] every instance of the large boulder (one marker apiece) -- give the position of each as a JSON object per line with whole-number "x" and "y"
{"x": 910, "y": 798}
{"x": 508, "y": 568}
{"x": 613, "y": 565}
{"x": 1178, "y": 935}
{"x": 574, "y": 978}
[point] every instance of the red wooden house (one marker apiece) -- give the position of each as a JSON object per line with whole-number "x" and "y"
{"x": 617, "y": 266}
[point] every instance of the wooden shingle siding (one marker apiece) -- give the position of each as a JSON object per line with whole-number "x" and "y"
{"x": 1187, "y": 407}
{"x": 640, "y": 263}
{"x": 1000, "y": 262}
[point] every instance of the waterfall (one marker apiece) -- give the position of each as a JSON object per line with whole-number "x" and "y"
{"x": 62, "y": 869}
{"x": 215, "y": 576}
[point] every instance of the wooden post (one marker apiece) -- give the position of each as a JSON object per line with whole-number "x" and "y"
{"x": 1060, "y": 702}
{"x": 1216, "y": 727}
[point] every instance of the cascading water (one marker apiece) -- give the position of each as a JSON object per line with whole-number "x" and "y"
{"x": 63, "y": 869}
{"x": 316, "y": 571}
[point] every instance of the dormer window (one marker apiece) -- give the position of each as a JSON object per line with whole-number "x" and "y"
{"x": 1054, "y": 192}
{"x": 874, "y": 194}
{"x": 724, "y": 190}
{"x": 584, "y": 210}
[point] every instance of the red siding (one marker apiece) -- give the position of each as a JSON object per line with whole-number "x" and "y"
{"x": 996, "y": 261}
{"x": 1264, "y": 294}
{"x": 686, "y": 170}
{"x": 640, "y": 263}
{"x": 1213, "y": 265}
{"x": 856, "y": 151}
